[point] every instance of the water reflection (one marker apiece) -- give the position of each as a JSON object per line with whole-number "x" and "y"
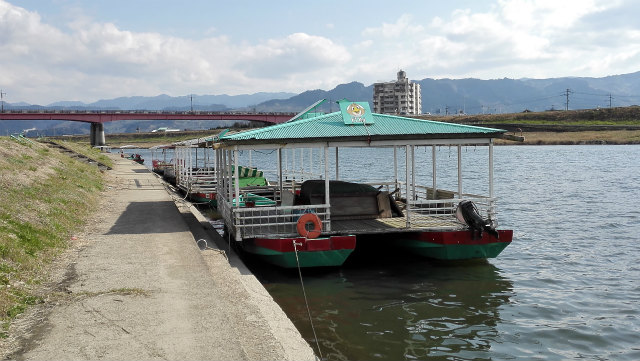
{"x": 398, "y": 306}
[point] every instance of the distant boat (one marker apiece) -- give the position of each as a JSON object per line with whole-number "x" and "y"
{"x": 136, "y": 158}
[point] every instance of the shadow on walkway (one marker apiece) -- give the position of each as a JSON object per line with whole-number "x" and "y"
{"x": 149, "y": 217}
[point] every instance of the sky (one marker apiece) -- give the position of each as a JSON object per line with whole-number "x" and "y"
{"x": 54, "y": 50}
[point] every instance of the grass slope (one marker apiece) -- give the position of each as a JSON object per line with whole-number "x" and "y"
{"x": 46, "y": 196}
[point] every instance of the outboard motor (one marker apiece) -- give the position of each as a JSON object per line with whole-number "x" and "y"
{"x": 467, "y": 213}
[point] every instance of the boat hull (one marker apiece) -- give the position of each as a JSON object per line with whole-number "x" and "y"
{"x": 209, "y": 197}
{"x": 455, "y": 245}
{"x": 318, "y": 252}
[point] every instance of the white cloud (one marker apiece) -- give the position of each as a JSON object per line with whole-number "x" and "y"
{"x": 89, "y": 60}
{"x": 99, "y": 60}
{"x": 513, "y": 38}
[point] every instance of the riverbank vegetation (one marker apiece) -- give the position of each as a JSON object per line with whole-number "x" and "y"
{"x": 573, "y": 127}
{"x": 623, "y": 116}
{"x": 47, "y": 196}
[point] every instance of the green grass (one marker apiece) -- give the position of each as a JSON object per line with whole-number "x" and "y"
{"x": 46, "y": 197}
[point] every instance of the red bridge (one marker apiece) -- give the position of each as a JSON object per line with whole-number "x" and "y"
{"x": 98, "y": 118}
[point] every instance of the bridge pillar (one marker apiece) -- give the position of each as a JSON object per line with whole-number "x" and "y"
{"x": 96, "y": 136}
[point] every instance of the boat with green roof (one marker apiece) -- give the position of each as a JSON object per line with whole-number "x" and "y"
{"x": 319, "y": 214}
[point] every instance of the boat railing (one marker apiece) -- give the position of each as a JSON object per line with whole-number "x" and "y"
{"x": 447, "y": 206}
{"x": 197, "y": 180}
{"x": 269, "y": 221}
{"x": 269, "y": 191}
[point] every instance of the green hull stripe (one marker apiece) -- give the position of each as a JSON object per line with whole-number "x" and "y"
{"x": 454, "y": 251}
{"x": 307, "y": 259}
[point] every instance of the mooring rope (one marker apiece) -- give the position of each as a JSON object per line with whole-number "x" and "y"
{"x": 304, "y": 293}
{"x": 206, "y": 247}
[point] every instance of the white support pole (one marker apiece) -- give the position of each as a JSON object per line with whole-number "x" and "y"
{"x": 491, "y": 202}
{"x": 327, "y": 201}
{"x": 280, "y": 172}
{"x": 286, "y": 161}
{"x": 218, "y": 173}
{"x": 250, "y": 158}
{"x": 302, "y": 164}
{"x": 407, "y": 178}
{"x": 215, "y": 161}
{"x": 413, "y": 172}
{"x": 337, "y": 172}
{"x": 293, "y": 163}
{"x": 395, "y": 165}
{"x": 459, "y": 172}
{"x": 237, "y": 189}
{"x": 311, "y": 163}
{"x": 433, "y": 161}
{"x": 227, "y": 155}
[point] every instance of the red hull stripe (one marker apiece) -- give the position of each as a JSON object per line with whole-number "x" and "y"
{"x": 206, "y": 195}
{"x": 463, "y": 237}
{"x": 317, "y": 244}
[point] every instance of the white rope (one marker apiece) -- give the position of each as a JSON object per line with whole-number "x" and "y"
{"x": 304, "y": 293}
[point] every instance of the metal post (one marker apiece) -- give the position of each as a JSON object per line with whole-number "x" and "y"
{"x": 337, "y": 172}
{"x": 280, "y": 171}
{"x": 395, "y": 165}
{"x": 293, "y": 162}
{"x": 433, "y": 161}
{"x": 215, "y": 162}
{"x": 311, "y": 163}
{"x": 216, "y": 154}
{"x": 327, "y": 201}
{"x": 286, "y": 161}
{"x": 459, "y": 171}
{"x": 491, "y": 201}
{"x": 413, "y": 173}
{"x": 236, "y": 176}
{"x": 407, "y": 178}
{"x": 302, "y": 164}
{"x": 227, "y": 176}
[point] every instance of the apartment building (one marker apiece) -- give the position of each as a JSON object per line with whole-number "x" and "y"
{"x": 400, "y": 97}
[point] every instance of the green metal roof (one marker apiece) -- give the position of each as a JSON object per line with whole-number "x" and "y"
{"x": 331, "y": 127}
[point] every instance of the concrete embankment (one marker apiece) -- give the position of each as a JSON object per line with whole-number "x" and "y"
{"x": 138, "y": 286}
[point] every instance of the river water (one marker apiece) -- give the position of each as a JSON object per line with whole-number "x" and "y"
{"x": 568, "y": 287}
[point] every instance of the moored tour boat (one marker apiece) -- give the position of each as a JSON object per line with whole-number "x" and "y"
{"x": 317, "y": 218}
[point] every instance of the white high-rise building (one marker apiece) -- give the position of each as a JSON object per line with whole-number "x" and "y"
{"x": 400, "y": 97}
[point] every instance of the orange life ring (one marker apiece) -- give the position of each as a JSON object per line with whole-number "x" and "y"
{"x": 309, "y": 218}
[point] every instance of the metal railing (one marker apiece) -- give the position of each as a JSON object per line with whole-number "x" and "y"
{"x": 281, "y": 221}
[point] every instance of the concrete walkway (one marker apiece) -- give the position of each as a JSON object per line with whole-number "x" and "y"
{"x": 142, "y": 289}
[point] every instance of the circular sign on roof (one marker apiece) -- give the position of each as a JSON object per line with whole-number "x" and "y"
{"x": 356, "y": 110}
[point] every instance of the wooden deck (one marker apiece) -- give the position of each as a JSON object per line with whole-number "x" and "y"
{"x": 397, "y": 224}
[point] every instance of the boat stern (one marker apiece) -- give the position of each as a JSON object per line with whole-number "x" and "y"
{"x": 317, "y": 252}
{"x": 456, "y": 245}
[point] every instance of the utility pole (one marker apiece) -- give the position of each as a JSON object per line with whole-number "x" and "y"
{"x": 191, "y": 96}
{"x": 567, "y": 94}
{"x": 2, "y": 94}
{"x": 610, "y": 100}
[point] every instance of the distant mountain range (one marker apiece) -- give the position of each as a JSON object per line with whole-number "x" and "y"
{"x": 439, "y": 96}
